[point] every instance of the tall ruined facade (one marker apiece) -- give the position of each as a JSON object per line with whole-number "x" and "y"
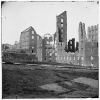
{"x": 88, "y": 46}
{"x": 82, "y": 39}
{"x": 31, "y": 42}
{"x": 61, "y": 33}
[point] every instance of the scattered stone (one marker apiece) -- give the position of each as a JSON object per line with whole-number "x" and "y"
{"x": 87, "y": 81}
{"x": 68, "y": 83}
{"x": 53, "y": 87}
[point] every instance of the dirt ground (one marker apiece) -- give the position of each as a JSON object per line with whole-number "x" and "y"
{"x": 23, "y": 81}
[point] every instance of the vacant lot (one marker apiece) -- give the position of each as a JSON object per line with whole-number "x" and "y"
{"x": 23, "y": 81}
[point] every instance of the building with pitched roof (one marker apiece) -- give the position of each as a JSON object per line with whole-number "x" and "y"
{"x": 31, "y": 42}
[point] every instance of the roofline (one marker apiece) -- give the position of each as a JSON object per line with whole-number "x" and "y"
{"x": 27, "y": 29}
{"x": 61, "y": 13}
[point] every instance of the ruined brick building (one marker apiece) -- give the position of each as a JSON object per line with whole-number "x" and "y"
{"x": 86, "y": 51}
{"x": 88, "y": 46}
{"x": 56, "y": 49}
{"x": 31, "y": 42}
{"x": 47, "y": 48}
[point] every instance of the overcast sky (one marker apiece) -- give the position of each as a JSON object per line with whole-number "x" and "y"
{"x": 17, "y": 16}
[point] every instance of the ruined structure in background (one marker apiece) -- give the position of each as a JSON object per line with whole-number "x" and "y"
{"x": 91, "y": 47}
{"x": 31, "y": 42}
{"x": 56, "y": 48}
{"x": 93, "y": 33}
{"x": 86, "y": 51}
{"x": 48, "y": 48}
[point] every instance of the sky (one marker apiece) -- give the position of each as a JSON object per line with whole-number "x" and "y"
{"x": 17, "y": 16}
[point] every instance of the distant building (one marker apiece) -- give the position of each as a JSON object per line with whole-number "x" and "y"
{"x": 7, "y": 47}
{"x": 47, "y": 48}
{"x": 88, "y": 47}
{"x": 55, "y": 48}
{"x": 64, "y": 53}
{"x": 91, "y": 54}
{"x": 82, "y": 39}
{"x": 28, "y": 42}
{"x": 16, "y": 46}
{"x": 61, "y": 32}
{"x": 86, "y": 52}
{"x": 93, "y": 33}
{"x": 39, "y": 48}
{"x": 71, "y": 45}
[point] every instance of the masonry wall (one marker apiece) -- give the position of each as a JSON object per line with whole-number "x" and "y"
{"x": 82, "y": 39}
{"x": 53, "y": 57}
{"x": 31, "y": 42}
{"x": 91, "y": 54}
{"x": 39, "y": 48}
{"x": 43, "y": 50}
{"x": 71, "y": 58}
{"x": 61, "y": 32}
{"x": 93, "y": 33}
{"x": 88, "y": 51}
{"x": 25, "y": 41}
{"x": 47, "y": 48}
{"x": 71, "y": 45}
